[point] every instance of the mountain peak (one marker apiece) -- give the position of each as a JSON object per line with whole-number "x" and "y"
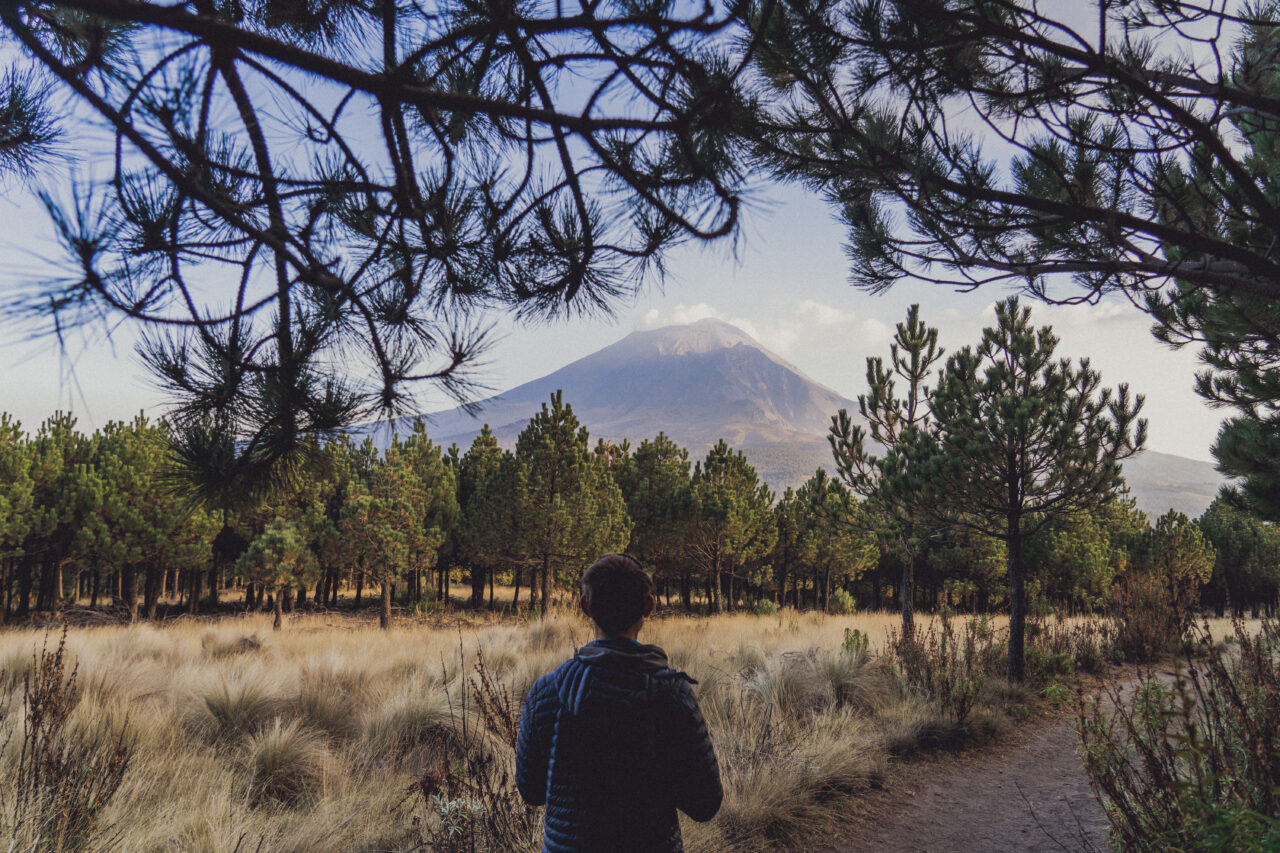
{"x": 702, "y": 336}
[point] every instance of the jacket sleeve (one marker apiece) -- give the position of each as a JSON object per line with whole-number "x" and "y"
{"x": 696, "y": 772}
{"x": 533, "y": 746}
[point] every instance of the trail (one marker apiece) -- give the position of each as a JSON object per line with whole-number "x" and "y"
{"x": 1028, "y": 793}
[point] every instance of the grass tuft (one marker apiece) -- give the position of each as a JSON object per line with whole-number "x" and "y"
{"x": 286, "y": 764}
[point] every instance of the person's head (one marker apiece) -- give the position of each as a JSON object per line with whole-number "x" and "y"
{"x": 617, "y": 593}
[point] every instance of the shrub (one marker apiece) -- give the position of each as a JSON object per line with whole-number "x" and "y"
{"x": 947, "y": 667}
{"x": 1193, "y": 765}
{"x": 855, "y": 643}
{"x": 765, "y": 607}
{"x": 791, "y": 685}
{"x": 64, "y": 778}
{"x": 218, "y": 648}
{"x": 842, "y": 602}
{"x": 329, "y": 700}
{"x": 469, "y": 792}
{"x": 1151, "y": 615}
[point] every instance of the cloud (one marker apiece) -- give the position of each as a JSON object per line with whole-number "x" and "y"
{"x": 781, "y": 334}
{"x": 680, "y": 315}
{"x": 874, "y": 333}
{"x": 823, "y": 315}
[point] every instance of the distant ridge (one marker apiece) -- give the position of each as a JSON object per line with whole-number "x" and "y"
{"x": 709, "y": 380}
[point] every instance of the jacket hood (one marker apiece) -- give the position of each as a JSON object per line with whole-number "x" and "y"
{"x": 613, "y": 672}
{"x": 623, "y": 653}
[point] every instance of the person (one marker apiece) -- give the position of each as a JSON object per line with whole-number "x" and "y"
{"x": 613, "y": 742}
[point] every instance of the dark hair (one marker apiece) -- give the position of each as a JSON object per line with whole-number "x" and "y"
{"x": 614, "y": 588}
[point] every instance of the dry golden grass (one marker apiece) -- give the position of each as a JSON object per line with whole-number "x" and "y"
{"x": 312, "y": 738}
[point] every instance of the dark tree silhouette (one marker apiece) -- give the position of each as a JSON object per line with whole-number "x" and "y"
{"x": 308, "y": 205}
{"x": 1123, "y": 144}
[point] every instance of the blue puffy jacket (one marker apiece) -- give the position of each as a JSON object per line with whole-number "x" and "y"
{"x": 613, "y": 743}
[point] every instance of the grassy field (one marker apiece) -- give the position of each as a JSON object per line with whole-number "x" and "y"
{"x": 318, "y": 737}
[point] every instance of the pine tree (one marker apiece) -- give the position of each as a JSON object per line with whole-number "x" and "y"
{"x": 1247, "y": 566}
{"x": 1020, "y": 439}
{"x": 651, "y": 479}
{"x": 730, "y": 520}
{"x": 307, "y": 207}
{"x": 571, "y": 509}
{"x": 279, "y": 558}
{"x": 973, "y": 143}
{"x": 895, "y": 421}
{"x": 481, "y": 536}
{"x": 834, "y": 542}
{"x": 17, "y": 506}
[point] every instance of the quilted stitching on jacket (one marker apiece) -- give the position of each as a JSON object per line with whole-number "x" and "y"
{"x": 612, "y": 743}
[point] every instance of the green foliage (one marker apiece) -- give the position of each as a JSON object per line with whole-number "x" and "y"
{"x": 1021, "y": 438}
{"x": 972, "y": 144}
{"x": 855, "y": 643}
{"x": 1179, "y": 552}
{"x": 652, "y": 479}
{"x": 887, "y": 482}
{"x": 1247, "y": 566}
{"x": 842, "y": 602}
{"x": 729, "y": 517}
{"x": 569, "y": 507}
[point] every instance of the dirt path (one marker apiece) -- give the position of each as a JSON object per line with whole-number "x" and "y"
{"x": 1027, "y": 793}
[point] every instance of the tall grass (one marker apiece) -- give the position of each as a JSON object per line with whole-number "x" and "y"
{"x": 332, "y": 735}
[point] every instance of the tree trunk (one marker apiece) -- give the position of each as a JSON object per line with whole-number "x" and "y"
{"x": 546, "y": 583}
{"x": 44, "y": 592}
{"x": 359, "y": 587}
{"x": 384, "y": 614}
{"x": 24, "y": 587}
{"x": 97, "y": 580}
{"x": 152, "y": 580}
{"x": 686, "y": 591}
{"x": 491, "y": 574}
{"x": 1017, "y": 605}
{"x": 277, "y": 607}
{"x": 515, "y": 599}
{"x": 716, "y": 581}
{"x": 193, "y": 606}
{"x": 129, "y": 590}
{"x": 477, "y": 587}
{"x": 214, "y": 572}
{"x": 908, "y": 594}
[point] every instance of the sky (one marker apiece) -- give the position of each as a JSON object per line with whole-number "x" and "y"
{"x": 784, "y": 282}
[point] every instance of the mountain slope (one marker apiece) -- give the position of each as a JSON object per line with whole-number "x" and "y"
{"x": 710, "y": 380}
{"x": 698, "y": 383}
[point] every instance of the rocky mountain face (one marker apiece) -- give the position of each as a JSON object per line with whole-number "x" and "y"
{"x": 710, "y": 380}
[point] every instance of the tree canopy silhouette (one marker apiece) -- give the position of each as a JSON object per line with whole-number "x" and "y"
{"x": 1125, "y": 145}
{"x": 309, "y": 206}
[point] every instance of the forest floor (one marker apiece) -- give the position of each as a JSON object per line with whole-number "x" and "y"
{"x": 1028, "y": 792}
